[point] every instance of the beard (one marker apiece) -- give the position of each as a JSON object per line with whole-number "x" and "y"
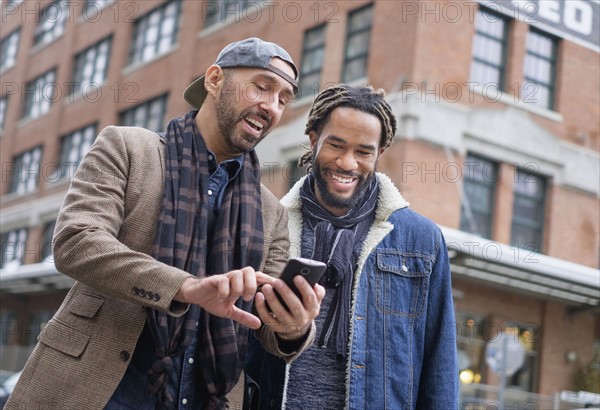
{"x": 333, "y": 200}
{"x": 228, "y": 119}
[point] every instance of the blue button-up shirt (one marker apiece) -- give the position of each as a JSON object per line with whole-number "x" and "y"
{"x": 220, "y": 176}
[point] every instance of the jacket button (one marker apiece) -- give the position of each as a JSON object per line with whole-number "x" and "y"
{"x": 149, "y": 295}
{"x": 142, "y": 293}
{"x": 135, "y": 291}
{"x": 124, "y": 355}
{"x": 156, "y": 297}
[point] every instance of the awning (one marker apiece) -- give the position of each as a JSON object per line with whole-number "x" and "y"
{"x": 37, "y": 277}
{"x": 499, "y": 264}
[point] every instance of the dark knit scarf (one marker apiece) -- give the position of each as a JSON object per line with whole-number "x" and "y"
{"x": 337, "y": 242}
{"x": 181, "y": 241}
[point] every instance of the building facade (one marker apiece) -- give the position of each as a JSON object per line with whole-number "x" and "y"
{"x": 498, "y": 110}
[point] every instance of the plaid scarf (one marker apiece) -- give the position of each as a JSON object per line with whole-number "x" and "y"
{"x": 182, "y": 241}
{"x": 337, "y": 242}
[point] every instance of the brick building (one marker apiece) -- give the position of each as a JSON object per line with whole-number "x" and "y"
{"x": 498, "y": 142}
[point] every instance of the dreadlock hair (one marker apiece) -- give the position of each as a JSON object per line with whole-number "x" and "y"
{"x": 365, "y": 99}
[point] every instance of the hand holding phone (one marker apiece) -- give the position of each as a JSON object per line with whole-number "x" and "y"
{"x": 292, "y": 324}
{"x": 309, "y": 269}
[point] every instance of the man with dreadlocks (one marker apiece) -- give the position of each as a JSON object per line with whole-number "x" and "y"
{"x": 385, "y": 333}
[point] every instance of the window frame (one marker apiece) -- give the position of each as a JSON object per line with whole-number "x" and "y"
{"x": 46, "y": 254}
{"x": 19, "y": 185}
{"x": 37, "y": 98}
{"x": 4, "y": 47}
{"x": 472, "y": 340}
{"x": 525, "y": 222}
{"x": 132, "y": 111}
{"x": 3, "y": 112}
{"x": 531, "y": 361}
{"x": 142, "y": 24}
{"x": 54, "y": 29}
{"x": 79, "y": 65}
{"x": 504, "y": 42}
{"x": 309, "y": 52}
{"x": 350, "y": 33}
{"x": 66, "y": 152}
{"x": 465, "y": 223}
{"x": 552, "y": 60}
{"x": 21, "y": 242}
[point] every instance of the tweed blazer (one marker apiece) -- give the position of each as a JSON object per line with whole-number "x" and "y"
{"x": 103, "y": 237}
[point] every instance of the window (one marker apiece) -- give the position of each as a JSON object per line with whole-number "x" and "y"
{"x": 39, "y": 95}
{"x": 540, "y": 69}
{"x": 312, "y": 61}
{"x": 479, "y": 184}
{"x": 526, "y": 377}
{"x": 221, "y": 11}
{"x": 51, "y": 22}
{"x": 8, "y": 323}
{"x": 155, "y": 33}
{"x": 3, "y": 105}
{"x": 46, "y": 252}
{"x": 357, "y": 43}
{"x": 149, "y": 115}
{"x": 13, "y": 2}
{"x": 73, "y": 147}
{"x": 13, "y": 248}
{"x": 37, "y": 321}
{"x": 26, "y": 172}
{"x": 8, "y": 50}
{"x": 489, "y": 49}
{"x": 91, "y": 66}
{"x": 471, "y": 340}
{"x": 528, "y": 211}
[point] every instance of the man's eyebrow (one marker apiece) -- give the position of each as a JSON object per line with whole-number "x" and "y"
{"x": 368, "y": 147}
{"x": 275, "y": 79}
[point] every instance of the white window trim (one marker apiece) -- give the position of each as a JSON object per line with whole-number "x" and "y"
{"x": 511, "y": 100}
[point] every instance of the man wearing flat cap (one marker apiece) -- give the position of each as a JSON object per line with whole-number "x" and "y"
{"x": 168, "y": 237}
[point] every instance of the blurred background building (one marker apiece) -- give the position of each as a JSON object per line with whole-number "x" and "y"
{"x": 498, "y": 107}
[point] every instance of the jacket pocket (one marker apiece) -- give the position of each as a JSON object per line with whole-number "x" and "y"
{"x": 402, "y": 281}
{"x": 64, "y": 338}
{"x": 86, "y": 305}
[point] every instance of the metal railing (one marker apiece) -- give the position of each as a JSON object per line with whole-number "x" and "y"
{"x": 485, "y": 397}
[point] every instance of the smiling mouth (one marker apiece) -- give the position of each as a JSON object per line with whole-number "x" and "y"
{"x": 342, "y": 180}
{"x": 254, "y": 123}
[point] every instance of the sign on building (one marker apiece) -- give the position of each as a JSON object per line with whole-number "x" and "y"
{"x": 573, "y": 20}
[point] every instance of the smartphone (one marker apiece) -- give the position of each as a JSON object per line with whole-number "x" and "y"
{"x": 311, "y": 271}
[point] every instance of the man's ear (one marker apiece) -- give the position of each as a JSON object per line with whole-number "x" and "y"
{"x": 213, "y": 80}
{"x": 314, "y": 138}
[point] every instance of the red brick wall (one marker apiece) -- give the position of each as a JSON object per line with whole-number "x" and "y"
{"x": 573, "y": 226}
{"x": 426, "y": 178}
{"x": 560, "y": 333}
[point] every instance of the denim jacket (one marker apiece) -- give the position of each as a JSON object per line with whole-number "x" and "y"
{"x": 402, "y": 328}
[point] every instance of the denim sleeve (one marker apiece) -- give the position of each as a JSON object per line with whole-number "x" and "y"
{"x": 438, "y": 387}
